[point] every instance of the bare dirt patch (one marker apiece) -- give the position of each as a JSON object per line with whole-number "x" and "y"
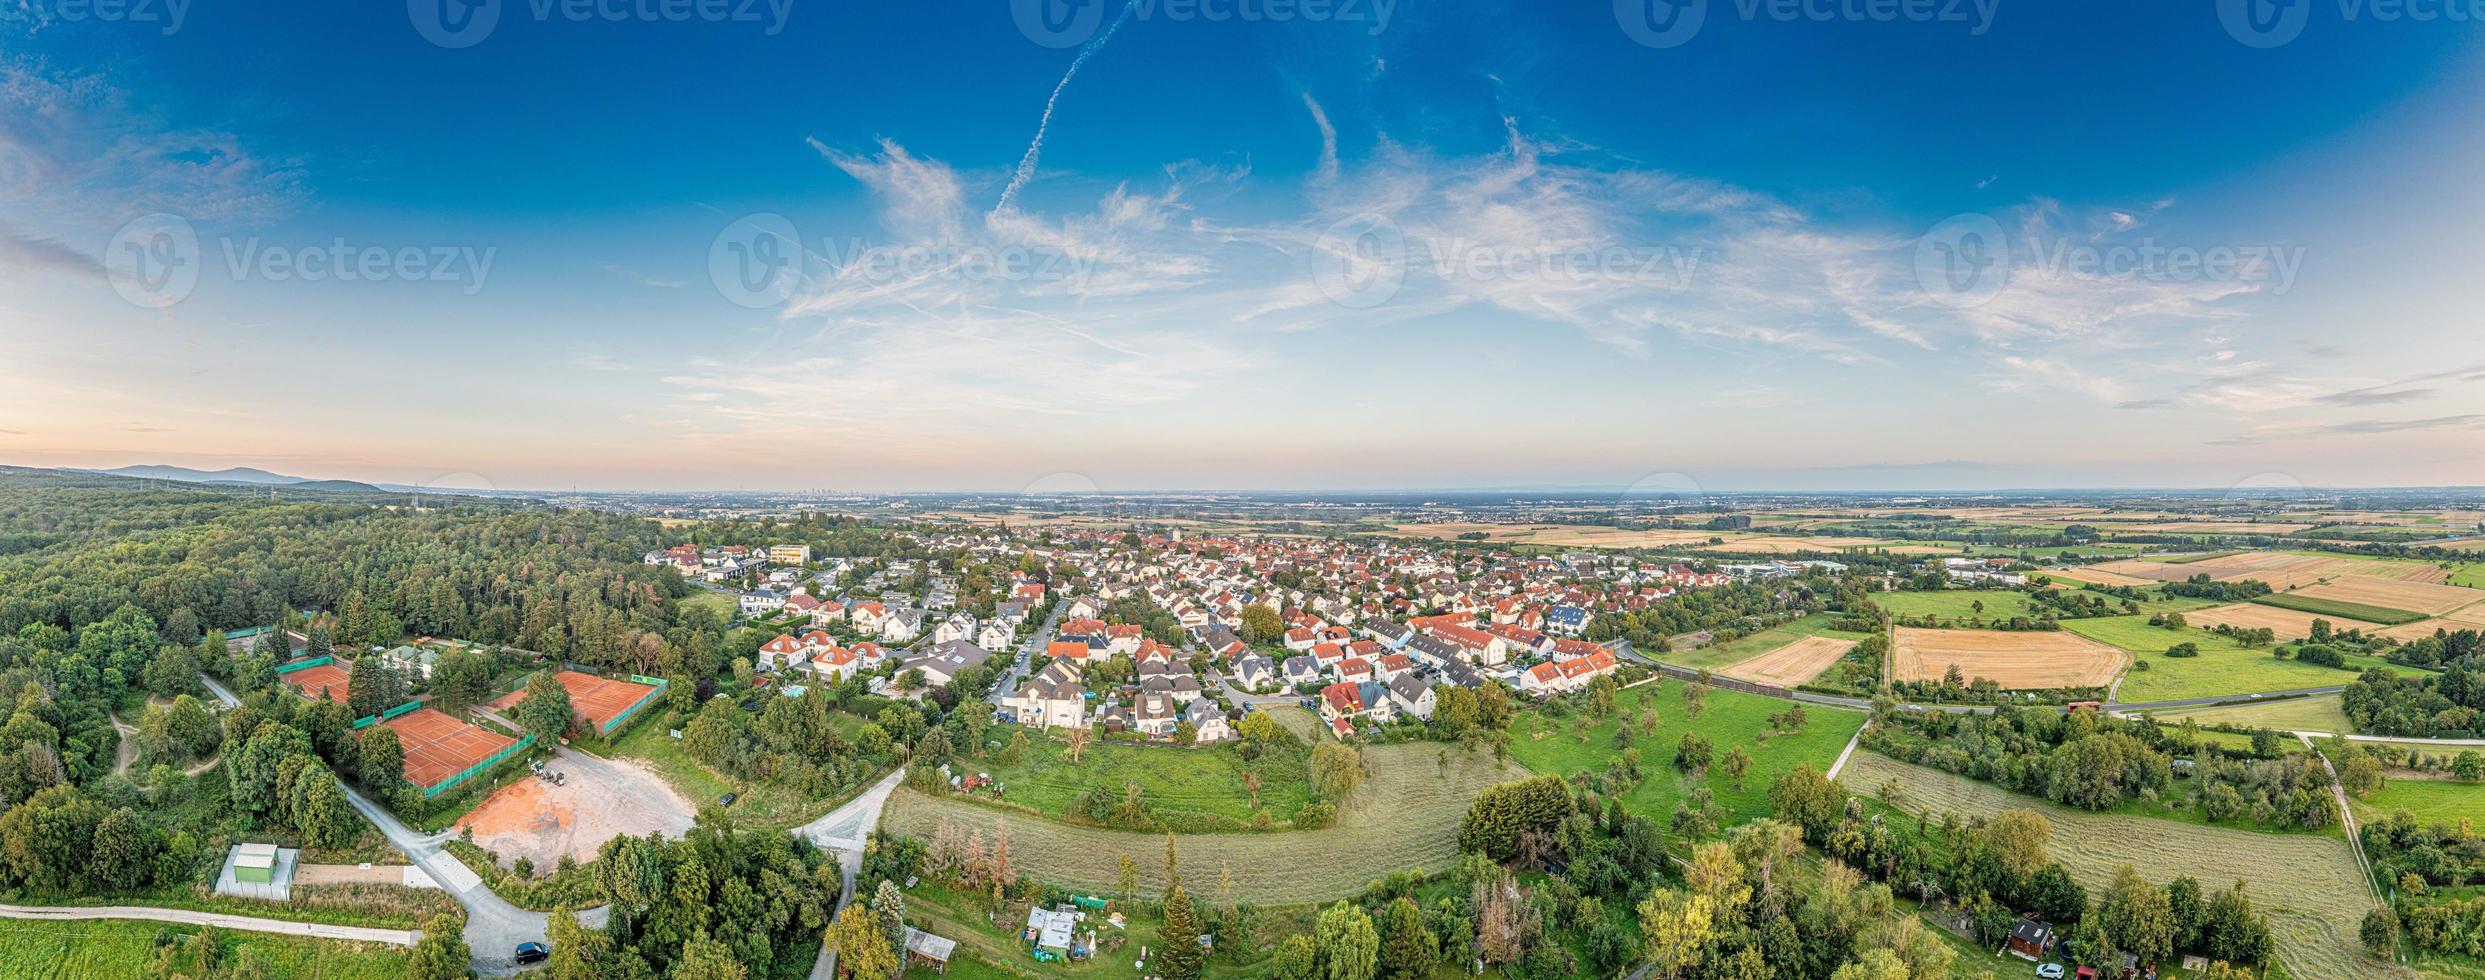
{"x": 599, "y": 799}
{"x": 2423, "y": 597}
{"x": 1792, "y": 664}
{"x": 348, "y": 874}
{"x": 2018, "y": 660}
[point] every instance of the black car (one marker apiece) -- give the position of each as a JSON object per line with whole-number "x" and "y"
{"x": 532, "y": 953}
{"x": 727, "y": 799}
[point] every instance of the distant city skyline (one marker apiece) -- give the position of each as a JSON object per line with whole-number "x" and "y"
{"x": 1098, "y": 246}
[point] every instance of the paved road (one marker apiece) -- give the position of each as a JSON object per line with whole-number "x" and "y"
{"x": 844, "y": 831}
{"x": 220, "y": 692}
{"x": 494, "y": 927}
{"x": 1029, "y": 654}
{"x": 319, "y": 930}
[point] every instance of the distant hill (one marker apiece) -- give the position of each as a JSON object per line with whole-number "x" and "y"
{"x": 238, "y": 474}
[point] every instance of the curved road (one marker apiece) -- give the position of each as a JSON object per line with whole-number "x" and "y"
{"x": 316, "y": 930}
{"x": 844, "y": 831}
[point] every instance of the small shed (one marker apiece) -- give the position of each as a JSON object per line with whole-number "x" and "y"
{"x": 254, "y": 863}
{"x": 2029, "y": 939}
{"x": 926, "y": 949}
{"x": 1052, "y": 929}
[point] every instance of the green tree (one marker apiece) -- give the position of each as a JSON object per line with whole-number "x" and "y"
{"x": 383, "y": 759}
{"x": 442, "y": 953}
{"x": 578, "y": 953}
{"x": 1180, "y": 957}
{"x": 2138, "y": 916}
{"x": 1348, "y": 945}
{"x": 1408, "y": 949}
{"x": 863, "y": 950}
{"x": 545, "y": 710}
{"x": 125, "y": 848}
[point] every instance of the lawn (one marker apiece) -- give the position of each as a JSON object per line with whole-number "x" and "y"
{"x": 2432, "y": 801}
{"x": 2319, "y": 714}
{"x": 2309, "y": 885}
{"x": 1404, "y": 816}
{"x": 2224, "y": 667}
{"x": 105, "y": 949}
{"x": 1563, "y": 746}
{"x": 1737, "y": 651}
{"x": 724, "y": 605}
{"x": 1191, "y": 790}
{"x": 1957, "y": 604}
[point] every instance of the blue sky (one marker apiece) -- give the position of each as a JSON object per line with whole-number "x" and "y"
{"x": 1411, "y": 245}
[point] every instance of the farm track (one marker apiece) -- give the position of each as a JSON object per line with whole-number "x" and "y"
{"x": 1404, "y": 817}
{"x": 2309, "y": 885}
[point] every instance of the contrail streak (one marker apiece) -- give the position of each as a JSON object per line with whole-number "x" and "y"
{"x": 1035, "y": 148}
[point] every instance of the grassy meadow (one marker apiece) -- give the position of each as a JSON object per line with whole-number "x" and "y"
{"x": 1579, "y": 743}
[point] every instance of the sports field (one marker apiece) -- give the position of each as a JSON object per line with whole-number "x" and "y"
{"x": 1792, "y": 664}
{"x": 1404, "y": 816}
{"x": 599, "y": 700}
{"x": 2308, "y": 884}
{"x": 2017, "y": 660}
{"x": 325, "y": 679}
{"x": 438, "y": 746}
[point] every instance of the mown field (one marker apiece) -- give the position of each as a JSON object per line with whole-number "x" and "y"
{"x": 1563, "y": 746}
{"x": 2307, "y": 884}
{"x": 110, "y": 950}
{"x": 1963, "y": 604}
{"x": 1739, "y": 650}
{"x": 1191, "y": 790}
{"x": 2431, "y": 801}
{"x": 2321, "y": 714}
{"x": 1405, "y": 815}
{"x": 2224, "y": 667}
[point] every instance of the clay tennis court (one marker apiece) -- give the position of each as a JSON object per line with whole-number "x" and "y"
{"x": 1792, "y": 664}
{"x": 311, "y": 681}
{"x": 599, "y": 700}
{"x": 438, "y": 746}
{"x": 2017, "y": 660}
{"x": 2423, "y": 597}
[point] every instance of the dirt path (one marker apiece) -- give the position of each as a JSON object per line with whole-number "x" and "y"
{"x": 128, "y": 752}
{"x": 394, "y": 937}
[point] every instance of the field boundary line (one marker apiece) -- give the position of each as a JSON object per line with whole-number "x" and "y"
{"x": 2347, "y": 817}
{"x": 1834, "y": 767}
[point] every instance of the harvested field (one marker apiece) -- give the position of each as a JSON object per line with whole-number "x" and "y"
{"x": 2423, "y": 597}
{"x": 599, "y": 799}
{"x": 438, "y": 746}
{"x": 324, "y": 680}
{"x": 1405, "y": 816}
{"x": 1558, "y": 535}
{"x": 2308, "y": 884}
{"x": 2096, "y": 574}
{"x": 2288, "y": 624}
{"x": 1792, "y": 664}
{"x": 2463, "y": 618}
{"x": 1781, "y": 545}
{"x": 2017, "y": 660}
{"x": 2216, "y": 527}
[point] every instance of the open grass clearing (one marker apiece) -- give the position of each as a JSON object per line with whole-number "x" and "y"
{"x": 2223, "y": 667}
{"x": 107, "y": 949}
{"x": 2430, "y": 801}
{"x": 1583, "y": 744}
{"x": 1405, "y": 815}
{"x": 2315, "y": 714}
{"x": 1738, "y": 650}
{"x": 2308, "y": 884}
{"x": 1956, "y": 604}
{"x": 1192, "y": 790}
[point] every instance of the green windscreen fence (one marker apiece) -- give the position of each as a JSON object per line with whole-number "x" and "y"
{"x": 632, "y": 711}
{"x": 367, "y": 721}
{"x": 470, "y": 772}
{"x": 304, "y": 664}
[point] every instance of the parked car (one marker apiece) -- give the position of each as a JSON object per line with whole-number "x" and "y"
{"x": 2049, "y": 971}
{"x": 727, "y": 799}
{"x": 532, "y": 953}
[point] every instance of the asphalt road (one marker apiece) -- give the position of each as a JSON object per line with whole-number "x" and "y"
{"x": 1028, "y": 655}
{"x": 494, "y": 927}
{"x": 843, "y": 832}
{"x": 318, "y": 930}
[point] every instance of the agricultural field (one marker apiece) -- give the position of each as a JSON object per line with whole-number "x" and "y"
{"x": 2316, "y": 714}
{"x": 1192, "y": 790}
{"x": 2309, "y": 885}
{"x": 1736, "y": 651}
{"x": 1561, "y": 535}
{"x": 2224, "y": 667}
{"x": 1582, "y": 744}
{"x": 2282, "y": 570}
{"x": 1957, "y": 604}
{"x": 2425, "y": 597}
{"x": 1405, "y": 815}
{"x": 2098, "y": 575}
{"x": 2285, "y": 624}
{"x": 108, "y": 949}
{"x": 2017, "y": 660}
{"x": 2354, "y": 613}
{"x": 1793, "y": 664}
{"x": 2431, "y": 801}
{"x": 1781, "y": 545}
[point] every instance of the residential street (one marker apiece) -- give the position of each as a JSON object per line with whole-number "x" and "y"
{"x": 1030, "y": 654}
